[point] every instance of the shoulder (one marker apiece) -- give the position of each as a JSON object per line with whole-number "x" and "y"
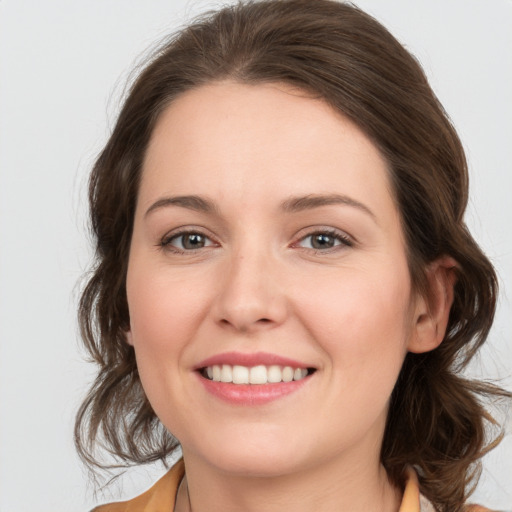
{"x": 160, "y": 496}
{"x": 413, "y": 500}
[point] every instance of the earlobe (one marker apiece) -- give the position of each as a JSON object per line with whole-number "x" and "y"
{"x": 129, "y": 339}
{"x": 432, "y": 312}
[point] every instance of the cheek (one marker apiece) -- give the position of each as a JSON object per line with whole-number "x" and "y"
{"x": 163, "y": 308}
{"x": 164, "y": 314}
{"x": 361, "y": 320}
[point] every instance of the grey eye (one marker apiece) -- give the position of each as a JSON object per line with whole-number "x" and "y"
{"x": 191, "y": 241}
{"x": 322, "y": 241}
{"x": 188, "y": 241}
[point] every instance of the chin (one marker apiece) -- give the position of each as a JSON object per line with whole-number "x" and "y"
{"x": 256, "y": 465}
{"x": 257, "y": 457}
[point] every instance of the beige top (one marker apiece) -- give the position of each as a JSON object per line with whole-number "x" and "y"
{"x": 161, "y": 497}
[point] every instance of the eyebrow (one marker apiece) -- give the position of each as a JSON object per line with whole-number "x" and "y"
{"x": 290, "y": 205}
{"x": 301, "y": 203}
{"x": 191, "y": 202}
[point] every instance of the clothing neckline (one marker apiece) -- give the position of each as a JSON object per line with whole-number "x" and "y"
{"x": 162, "y": 495}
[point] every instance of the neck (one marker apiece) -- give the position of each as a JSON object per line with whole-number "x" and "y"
{"x": 360, "y": 487}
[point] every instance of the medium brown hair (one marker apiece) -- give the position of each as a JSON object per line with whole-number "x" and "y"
{"x": 335, "y": 51}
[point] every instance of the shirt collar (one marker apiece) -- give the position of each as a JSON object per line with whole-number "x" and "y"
{"x": 162, "y": 495}
{"x": 412, "y": 500}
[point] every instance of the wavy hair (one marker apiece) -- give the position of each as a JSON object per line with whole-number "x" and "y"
{"x": 437, "y": 420}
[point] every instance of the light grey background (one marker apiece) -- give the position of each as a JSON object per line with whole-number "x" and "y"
{"x": 62, "y": 68}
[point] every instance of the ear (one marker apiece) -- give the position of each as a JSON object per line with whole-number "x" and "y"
{"x": 432, "y": 312}
{"x": 129, "y": 338}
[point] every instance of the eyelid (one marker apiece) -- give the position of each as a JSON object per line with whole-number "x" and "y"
{"x": 345, "y": 239}
{"x": 341, "y": 236}
{"x": 165, "y": 241}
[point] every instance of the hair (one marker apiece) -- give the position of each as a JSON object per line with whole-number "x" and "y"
{"x": 437, "y": 420}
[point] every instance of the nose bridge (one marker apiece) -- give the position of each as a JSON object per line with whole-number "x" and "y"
{"x": 250, "y": 295}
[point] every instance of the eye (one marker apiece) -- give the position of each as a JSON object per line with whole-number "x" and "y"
{"x": 324, "y": 240}
{"x": 186, "y": 241}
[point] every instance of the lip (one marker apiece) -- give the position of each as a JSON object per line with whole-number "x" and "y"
{"x": 254, "y": 359}
{"x": 250, "y": 394}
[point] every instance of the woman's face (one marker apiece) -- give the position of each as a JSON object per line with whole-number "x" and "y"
{"x": 267, "y": 245}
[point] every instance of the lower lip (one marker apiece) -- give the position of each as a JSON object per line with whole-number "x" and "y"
{"x": 251, "y": 394}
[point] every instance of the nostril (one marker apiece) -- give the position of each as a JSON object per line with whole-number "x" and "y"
{"x": 246, "y": 327}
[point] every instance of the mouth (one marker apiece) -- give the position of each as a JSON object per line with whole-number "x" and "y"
{"x": 252, "y": 379}
{"x": 254, "y": 375}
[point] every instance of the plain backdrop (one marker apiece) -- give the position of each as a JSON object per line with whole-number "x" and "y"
{"x": 63, "y": 65}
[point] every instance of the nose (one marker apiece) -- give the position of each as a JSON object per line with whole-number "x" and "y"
{"x": 251, "y": 296}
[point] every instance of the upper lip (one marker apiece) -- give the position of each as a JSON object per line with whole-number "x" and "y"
{"x": 250, "y": 360}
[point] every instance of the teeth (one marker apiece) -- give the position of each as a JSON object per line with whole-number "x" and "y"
{"x": 258, "y": 375}
{"x": 274, "y": 374}
{"x": 240, "y": 375}
{"x": 254, "y": 375}
{"x": 226, "y": 373}
{"x": 299, "y": 373}
{"x": 287, "y": 374}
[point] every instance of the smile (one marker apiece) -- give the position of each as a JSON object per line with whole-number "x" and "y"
{"x": 256, "y": 375}
{"x": 252, "y": 379}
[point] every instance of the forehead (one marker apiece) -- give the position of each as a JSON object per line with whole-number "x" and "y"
{"x": 252, "y": 142}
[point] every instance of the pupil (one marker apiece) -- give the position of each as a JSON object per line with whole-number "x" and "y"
{"x": 322, "y": 241}
{"x": 193, "y": 241}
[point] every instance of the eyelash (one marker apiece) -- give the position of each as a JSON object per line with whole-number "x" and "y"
{"x": 166, "y": 242}
{"x": 343, "y": 239}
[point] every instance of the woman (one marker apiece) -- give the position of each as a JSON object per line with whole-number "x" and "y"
{"x": 285, "y": 282}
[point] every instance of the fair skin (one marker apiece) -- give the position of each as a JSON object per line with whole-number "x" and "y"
{"x": 291, "y": 247}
